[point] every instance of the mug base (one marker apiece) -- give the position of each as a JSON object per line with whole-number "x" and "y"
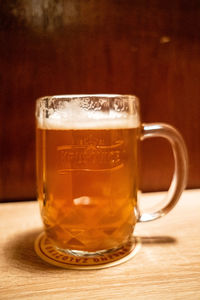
{"x": 80, "y": 260}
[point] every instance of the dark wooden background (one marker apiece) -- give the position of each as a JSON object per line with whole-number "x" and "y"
{"x": 148, "y": 48}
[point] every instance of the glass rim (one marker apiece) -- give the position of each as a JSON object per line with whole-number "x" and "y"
{"x": 97, "y": 95}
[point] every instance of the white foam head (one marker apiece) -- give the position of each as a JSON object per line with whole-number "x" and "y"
{"x": 72, "y": 116}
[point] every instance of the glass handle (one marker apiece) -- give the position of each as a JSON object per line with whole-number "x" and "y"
{"x": 179, "y": 179}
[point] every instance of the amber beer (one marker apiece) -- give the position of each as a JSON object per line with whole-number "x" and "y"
{"x": 87, "y": 184}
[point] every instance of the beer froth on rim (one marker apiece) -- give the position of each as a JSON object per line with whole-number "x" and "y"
{"x": 83, "y": 112}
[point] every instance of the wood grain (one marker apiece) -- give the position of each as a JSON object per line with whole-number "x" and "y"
{"x": 166, "y": 267}
{"x": 151, "y": 49}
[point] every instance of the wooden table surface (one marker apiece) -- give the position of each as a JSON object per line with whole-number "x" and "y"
{"x": 167, "y": 265}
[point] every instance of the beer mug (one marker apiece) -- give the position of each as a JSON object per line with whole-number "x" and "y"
{"x": 87, "y": 171}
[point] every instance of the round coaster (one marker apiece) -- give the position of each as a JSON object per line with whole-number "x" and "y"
{"x": 46, "y": 250}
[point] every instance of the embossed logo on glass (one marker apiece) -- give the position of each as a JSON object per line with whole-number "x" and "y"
{"x": 90, "y": 154}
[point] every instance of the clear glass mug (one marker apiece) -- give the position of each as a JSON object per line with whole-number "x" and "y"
{"x": 87, "y": 170}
